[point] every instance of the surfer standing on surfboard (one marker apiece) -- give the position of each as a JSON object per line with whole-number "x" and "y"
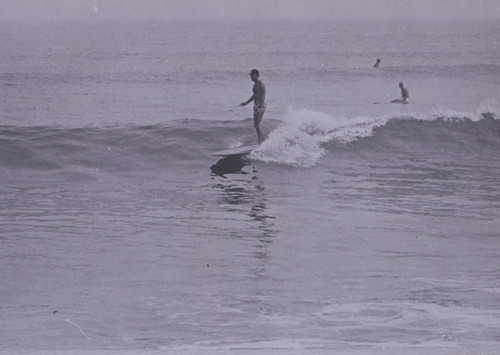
{"x": 259, "y": 99}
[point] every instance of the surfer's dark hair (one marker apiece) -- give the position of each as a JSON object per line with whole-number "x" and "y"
{"x": 255, "y": 72}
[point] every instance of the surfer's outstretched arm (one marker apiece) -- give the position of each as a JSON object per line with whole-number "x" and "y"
{"x": 248, "y": 101}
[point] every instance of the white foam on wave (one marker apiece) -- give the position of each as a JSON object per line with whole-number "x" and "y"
{"x": 298, "y": 140}
{"x": 490, "y": 106}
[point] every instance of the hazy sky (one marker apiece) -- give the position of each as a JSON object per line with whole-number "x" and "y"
{"x": 242, "y": 9}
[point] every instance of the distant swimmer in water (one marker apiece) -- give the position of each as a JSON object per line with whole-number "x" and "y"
{"x": 377, "y": 63}
{"x": 259, "y": 99}
{"x": 405, "y": 95}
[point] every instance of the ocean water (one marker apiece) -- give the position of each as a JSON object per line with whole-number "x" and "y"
{"x": 357, "y": 227}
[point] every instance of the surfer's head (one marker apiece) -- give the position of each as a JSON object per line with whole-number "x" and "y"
{"x": 401, "y": 84}
{"x": 254, "y": 72}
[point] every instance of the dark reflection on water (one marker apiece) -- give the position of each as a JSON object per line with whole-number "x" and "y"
{"x": 243, "y": 193}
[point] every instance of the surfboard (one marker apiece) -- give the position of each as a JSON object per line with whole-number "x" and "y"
{"x": 398, "y": 101}
{"x": 235, "y": 151}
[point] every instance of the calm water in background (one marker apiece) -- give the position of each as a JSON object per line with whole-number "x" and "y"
{"x": 359, "y": 225}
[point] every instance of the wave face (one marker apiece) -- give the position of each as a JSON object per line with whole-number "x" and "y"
{"x": 302, "y": 140}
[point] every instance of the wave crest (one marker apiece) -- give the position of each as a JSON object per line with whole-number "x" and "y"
{"x": 305, "y": 136}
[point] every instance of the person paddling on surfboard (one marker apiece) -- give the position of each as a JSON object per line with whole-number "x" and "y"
{"x": 405, "y": 95}
{"x": 259, "y": 99}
